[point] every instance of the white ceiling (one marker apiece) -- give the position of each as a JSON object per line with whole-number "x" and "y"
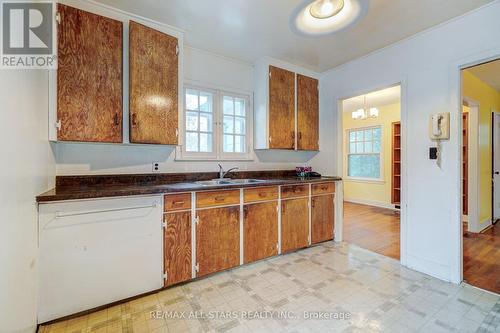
{"x": 377, "y": 98}
{"x": 488, "y": 73}
{"x": 250, "y": 29}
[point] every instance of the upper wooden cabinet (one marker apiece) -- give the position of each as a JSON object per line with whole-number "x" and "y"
{"x": 89, "y": 77}
{"x": 307, "y": 113}
{"x": 154, "y": 86}
{"x": 286, "y": 108}
{"x": 281, "y": 108}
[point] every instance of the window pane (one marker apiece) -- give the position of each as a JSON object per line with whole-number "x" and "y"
{"x": 228, "y": 143}
{"x": 359, "y": 147}
{"x": 228, "y": 105}
{"x": 368, "y": 147}
{"x": 359, "y": 135}
{"x": 205, "y": 102}
{"x": 352, "y": 136}
{"x": 376, "y": 133}
{"x": 228, "y": 124}
{"x": 368, "y": 134}
{"x": 239, "y": 144}
{"x": 239, "y": 125}
{"x": 191, "y": 141}
{"x": 352, "y": 147}
{"x": 205, "y": 122}
{"x": 376, "y": 146}
{"x": 192, "y": 121}
{"x": 239, "y": 106}
{"x": 191, "y": 99}
{"x": 364, "y": 166}
{"x": 205, "y": 142}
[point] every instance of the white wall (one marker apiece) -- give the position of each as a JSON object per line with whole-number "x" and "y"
{"x": 428, "y": 66}
{"x": 200, "y": 68}
{"x": 27, "y": 168}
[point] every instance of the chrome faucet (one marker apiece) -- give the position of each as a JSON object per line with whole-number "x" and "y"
{"x": 223, "y": 173}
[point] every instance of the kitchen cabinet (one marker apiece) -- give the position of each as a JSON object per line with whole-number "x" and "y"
{"x": 153, "y": 82}
{"x": 177, "y": 247}
{"x": 294, "y": 224}
{"x": 286, "y": 107}
{"x": 281, "y": 108}
{"x": 217, "y": 239}
{"x": 322, "y": 218}
{"x": 307, "y": 113}
{"x": 89, "y": 77}
{"x": 260, "y": 231}
{"x": 96, "y": 252}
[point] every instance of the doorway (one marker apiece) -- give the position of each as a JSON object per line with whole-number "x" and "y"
{"x": 481, "y": 175}
{"x": 372, "y": 165}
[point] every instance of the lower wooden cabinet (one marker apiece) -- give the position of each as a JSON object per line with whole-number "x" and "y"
{"x": 177, "y": 247}
{"x": 322, "y": 218}
{"x": 260, "y": 231}
{"x": 217, "y": 239}
{"x": 294, "y": 224}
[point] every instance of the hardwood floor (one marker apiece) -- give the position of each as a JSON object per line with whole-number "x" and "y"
{"x": 372, "y": 228}
{"x": 482, "y": 259}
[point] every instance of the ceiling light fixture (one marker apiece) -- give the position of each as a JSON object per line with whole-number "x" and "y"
{"x": 323, "y": 17}
{"x": 323, "y": 9}
{"x": 365, "y": 112}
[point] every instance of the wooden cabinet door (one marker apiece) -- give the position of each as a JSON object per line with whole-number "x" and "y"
{"x": 307, "y": 113}
{"x": 89, "y": 77}
{"x": 294, "y": 224}
{"x": 217, "y": 239}
{"x": 177, "y": 247}
{"x": 260, "y": 231}
{"x": 322, "y": 218}
{"x": 154, "y": 91}
{"x": 281, "y": 108}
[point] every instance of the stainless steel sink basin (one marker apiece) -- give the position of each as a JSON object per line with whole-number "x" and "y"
{"x": 217, "y": 182}
{"x": 246, "y": 181}
{"x": 213, "y": 182}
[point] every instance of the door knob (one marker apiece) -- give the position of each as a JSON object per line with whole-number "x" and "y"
{"x": 497, "y": 173}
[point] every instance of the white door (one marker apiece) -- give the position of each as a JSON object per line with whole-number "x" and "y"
{"x": 496, "y": 166}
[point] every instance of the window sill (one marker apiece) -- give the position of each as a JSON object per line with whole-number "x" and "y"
{"x": 206, "y": 159}
{"x": 364, "y": 180}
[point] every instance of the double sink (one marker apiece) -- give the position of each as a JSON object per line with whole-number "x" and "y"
{"x": 229, "y": 181}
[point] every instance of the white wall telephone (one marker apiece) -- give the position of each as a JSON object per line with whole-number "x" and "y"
{"x": 439, "y": 126}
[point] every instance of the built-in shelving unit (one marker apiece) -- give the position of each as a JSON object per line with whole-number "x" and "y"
{"x": 465, "y": 164}
{"x": 396, "y": 164}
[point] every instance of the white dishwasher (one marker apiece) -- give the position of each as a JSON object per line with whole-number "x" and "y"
{"x": 95, "y": 252}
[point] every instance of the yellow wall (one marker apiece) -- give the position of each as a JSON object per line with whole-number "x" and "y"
{"x": 371, "y": 192}
{"x": 488, "y": 99}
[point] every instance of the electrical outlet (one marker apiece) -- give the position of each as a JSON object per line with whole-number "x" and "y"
{"x": 155, "y": 167}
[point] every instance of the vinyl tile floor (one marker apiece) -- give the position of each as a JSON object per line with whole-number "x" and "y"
{"x": 333, "y": 287}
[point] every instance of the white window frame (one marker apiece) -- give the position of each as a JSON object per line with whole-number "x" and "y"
{"x": 380, "y": 178}
{"x": 218, "y": 117}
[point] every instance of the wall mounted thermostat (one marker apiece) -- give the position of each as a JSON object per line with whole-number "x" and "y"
{"x": 439, "y": 126}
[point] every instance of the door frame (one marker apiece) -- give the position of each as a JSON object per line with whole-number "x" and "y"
{"x": 474, "y": 164}
{"x": 456, "y": 100}
{"x": 494, "y": 114}
{"x": 402, "y": 82}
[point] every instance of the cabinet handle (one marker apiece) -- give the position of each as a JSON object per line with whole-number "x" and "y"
{"x": 300, "y": 135}
{"x": 312, "y": 203}
{"x": 245, "y": 212}
{"x": 177, "y": 202}
{"x": 134, "y": 119}
{"x": 262, "y": 194}
{"x": 282, "y": 210}
{"x": 219, "y": 198}
{"x": 115, "y": 119}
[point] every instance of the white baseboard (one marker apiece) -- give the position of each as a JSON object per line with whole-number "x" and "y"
{"x": 378, "y": 204}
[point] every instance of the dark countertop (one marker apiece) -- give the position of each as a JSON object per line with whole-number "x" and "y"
{"x": 71, "y": 190}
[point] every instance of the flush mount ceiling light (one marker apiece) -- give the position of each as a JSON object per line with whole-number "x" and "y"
{"x": 321, "y": 17}
{"x": 322, "y": 9}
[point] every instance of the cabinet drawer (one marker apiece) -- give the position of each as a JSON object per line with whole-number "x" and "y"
{"x": 293, "y": 191}
{"x": 217, "y": 198}
{"x": 260, "y": 194}
{"x": 323, "y": 188}
{"x": 173, "y": 202}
